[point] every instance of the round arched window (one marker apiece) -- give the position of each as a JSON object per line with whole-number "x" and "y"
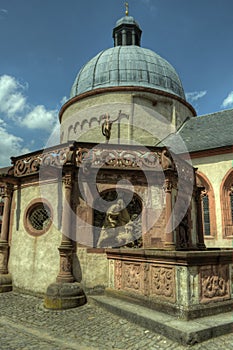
{"x": 38, "y": 217}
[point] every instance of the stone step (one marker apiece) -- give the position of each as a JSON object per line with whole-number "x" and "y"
{"x": 184, "y": 332}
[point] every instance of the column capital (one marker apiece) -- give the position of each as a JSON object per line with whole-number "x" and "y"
{"x": 67, "y": 180}
{"x": 167, "y": 186}
{"x": 8, "y": 189}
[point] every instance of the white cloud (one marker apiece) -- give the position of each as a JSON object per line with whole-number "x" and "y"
{"x": 64, "y": 100}
{"x": 12, "y": 100}
{"x": 14, "y": 106}
{"x": 195, "y": 95}
{"x": 149, "y": 4}
{"x": 40, "y": 118}
{"x": 3, "y": 13}
{"x": 228, "y": 101}
{"x": 16, "y": 112}
{"x": 10, "y": 145}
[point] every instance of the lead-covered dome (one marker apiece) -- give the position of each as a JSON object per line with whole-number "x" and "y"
{"x": 127, "y": 64}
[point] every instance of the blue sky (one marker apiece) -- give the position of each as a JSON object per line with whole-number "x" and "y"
{"x": 44, "y": 43}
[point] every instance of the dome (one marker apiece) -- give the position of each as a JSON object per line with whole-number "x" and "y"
{"x": 128, "y": 66}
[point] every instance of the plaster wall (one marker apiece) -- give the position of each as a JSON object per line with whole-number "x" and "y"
{"x": 94, "y": 269}
{"x": 215, "y": 168}
{"x": 153, "y": 117}
{"x": 34, "y": 261}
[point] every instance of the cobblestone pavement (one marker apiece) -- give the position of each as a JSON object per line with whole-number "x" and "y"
{"x": 25, "y": 324}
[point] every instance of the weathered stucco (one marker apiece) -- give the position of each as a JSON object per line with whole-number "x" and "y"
{"x": 33, "y": 261}
{"x": 94, "y": 269}
{"x": 153, "y": 116}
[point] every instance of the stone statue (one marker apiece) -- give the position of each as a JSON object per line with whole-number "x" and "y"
{"x": 107, "y": 126}
{"x": 117, "y": 229}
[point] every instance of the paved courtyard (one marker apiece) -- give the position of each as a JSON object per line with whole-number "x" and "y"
{"x": 25, "y": 324}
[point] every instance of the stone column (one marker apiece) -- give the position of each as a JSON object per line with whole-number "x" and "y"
{"x": 200, "y": 233}
{"x": 5, "y": 278}
{"x": 66, "y": 247}
{"x": 133, "y": 38}
{"x": 124, "y": 38}
{"x": 65, "y": 293}
{"x": 169, "y": 235}
{"x": 116, "y": 39}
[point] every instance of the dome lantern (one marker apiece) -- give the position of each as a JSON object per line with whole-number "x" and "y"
{"x": 127, "y": 31}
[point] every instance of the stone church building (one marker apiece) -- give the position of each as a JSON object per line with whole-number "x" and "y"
{"x": 137, "y": 173}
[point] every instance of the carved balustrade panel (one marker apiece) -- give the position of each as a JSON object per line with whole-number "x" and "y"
{"x": 133, "y": 277}
{"x": 118, "y": 158}
{"x": 163, "y": 282}
{"x": 31, "y": 164}
{"x": 214, "y": 283}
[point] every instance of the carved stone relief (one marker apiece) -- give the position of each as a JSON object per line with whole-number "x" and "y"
{"x": 163, "y": 282}
{"x": 146, "y": 279}
{"x": 132, "y": 277}
{"x": 214, "y": 283}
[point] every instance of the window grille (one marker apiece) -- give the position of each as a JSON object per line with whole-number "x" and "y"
{"x": 39, "y": 217}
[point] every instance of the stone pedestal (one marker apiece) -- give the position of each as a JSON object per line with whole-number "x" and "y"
{"x": 64, "y": 296}
{"x": 5, "y": 283}
{"x": 5, "y": 277}
{"x": 187, "y": 284}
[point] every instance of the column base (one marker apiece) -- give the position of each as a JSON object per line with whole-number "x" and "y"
{"x": 201, "y": 246}
{"x": 5, "y": 283}
{"x": 60, "y": 296}
{"x": 169, "y": 246}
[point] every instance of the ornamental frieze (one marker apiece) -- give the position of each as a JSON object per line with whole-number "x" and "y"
{"x": 214, "y": 283}
{"x": 31, "y": 164}
{"x": 102, "y": 156}
{"x": 118, "y": 158}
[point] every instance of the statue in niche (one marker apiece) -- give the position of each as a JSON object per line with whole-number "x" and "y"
{"x": 118, "y": 228}
{"x": 184, "y": 238}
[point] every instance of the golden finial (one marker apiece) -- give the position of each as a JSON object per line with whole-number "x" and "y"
{"x": 126, "y": 8}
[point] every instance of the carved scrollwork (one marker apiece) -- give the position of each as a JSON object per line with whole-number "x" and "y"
{"x": 163, "y": 282}
{"x": 214, "y": 281}
{"x": 133, "y": 276}
{"x": 118, "y": 158}
{"x": 27, "y": 165}
{"x": 31, "y": 164}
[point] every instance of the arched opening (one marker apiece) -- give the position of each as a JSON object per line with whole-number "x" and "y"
{"x": 226, "y": 197}
{"x": 117, "y": 221}
{"x": 208, "y": 206}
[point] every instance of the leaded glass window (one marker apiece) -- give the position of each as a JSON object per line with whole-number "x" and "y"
{"x": 231, "y": 204}
{"x": 206, "y": 214}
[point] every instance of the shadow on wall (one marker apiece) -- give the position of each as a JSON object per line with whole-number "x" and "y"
{"x": 77, "y": 271}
